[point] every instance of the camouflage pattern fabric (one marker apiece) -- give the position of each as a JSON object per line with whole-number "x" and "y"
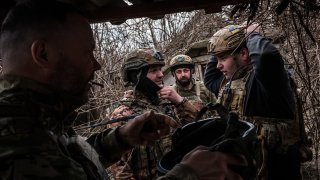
{"x": 140, "y": 163}
{"x": 198, "y": 95}
{"x": 273, "y": 130}
{"x": 35, "y": 139}
{"x": 232, "y": 95}
{"x": 274, "y": 133}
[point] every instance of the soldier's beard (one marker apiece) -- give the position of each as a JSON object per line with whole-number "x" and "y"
{"x": 67, "y": 82}
{"x": 184, "y": 81}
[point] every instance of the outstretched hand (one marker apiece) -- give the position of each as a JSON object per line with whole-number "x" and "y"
{"x": 146, "y": 129}
{"x": 213, "y": 164}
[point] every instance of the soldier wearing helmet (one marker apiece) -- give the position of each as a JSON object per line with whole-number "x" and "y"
{"x": 246, "y": 73}
{"x": 182, "y": 68}
{"x": 138, "y": 62}
{"x": 142, "y": 70}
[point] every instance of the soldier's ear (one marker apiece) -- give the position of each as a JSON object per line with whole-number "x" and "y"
{"x": 39, "y": 52}
{"x": 244, "y": 54}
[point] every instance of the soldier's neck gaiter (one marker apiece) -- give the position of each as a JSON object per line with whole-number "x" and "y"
{"x": 149, "y": 89}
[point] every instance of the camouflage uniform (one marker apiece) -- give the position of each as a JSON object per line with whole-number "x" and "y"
{"x": 259, "y": 95}
{"x": 140, "y": 163}
{"x": 198, "y": 95}
{"x": 37, "y": 141}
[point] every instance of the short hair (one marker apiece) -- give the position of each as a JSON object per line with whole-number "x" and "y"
{"x": 239, "y": 48}
{"x": 31, "y": 18}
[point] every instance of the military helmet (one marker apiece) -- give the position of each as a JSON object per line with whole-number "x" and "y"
{"x": 138, "y": 59}
{"x": 180, "y": 61}
{"x": 226, "y": 40}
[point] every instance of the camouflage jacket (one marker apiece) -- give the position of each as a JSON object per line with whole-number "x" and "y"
{"x": 140, "y": 163}
{"x": 263, "y": 95}
{"x": 139, "y": 104}
{"x": 260, "y": 92}
{"x": 198, "y": 95}
{"x": 37, "y": 141}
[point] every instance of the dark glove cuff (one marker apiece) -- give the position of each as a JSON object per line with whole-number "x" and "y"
{"x": 122, "y": 144}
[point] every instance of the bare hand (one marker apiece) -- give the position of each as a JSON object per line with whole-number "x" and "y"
{"x": 213, "y": 165}
{"x": 146, "y": 129}
{"x": 254, "y": 27}
{"x": 121, "y": 111}
{"x": 169, "y": 93}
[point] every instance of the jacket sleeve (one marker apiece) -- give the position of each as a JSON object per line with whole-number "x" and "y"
{"x": 213, "y": 76}
{"x": 108, "y": 146}
{"x": 186, "y": 111}
{"x": 180, "y": 172}
{"x": 266, "y": 60}
{"x": 268, "y": 87}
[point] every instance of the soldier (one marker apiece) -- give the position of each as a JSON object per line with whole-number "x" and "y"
{"x": 142, "y": 70}
{"x": 42, "y": 84}
{"x": 182, "y": 68}
{"x": 247, "y": 74}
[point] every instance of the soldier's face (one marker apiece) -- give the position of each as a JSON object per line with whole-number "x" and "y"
{"x": 75, "y": 64}
{"x": 183, "y": 76}
{"x": 155, "y": 74}
{"x": 227, "y": 65}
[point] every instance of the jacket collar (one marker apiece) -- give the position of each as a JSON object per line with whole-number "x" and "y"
{"x": 30, "y": 92}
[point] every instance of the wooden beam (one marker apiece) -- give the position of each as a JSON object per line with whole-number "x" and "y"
{"x": 153, "y": 10}
{"x": 156, "y": 9}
